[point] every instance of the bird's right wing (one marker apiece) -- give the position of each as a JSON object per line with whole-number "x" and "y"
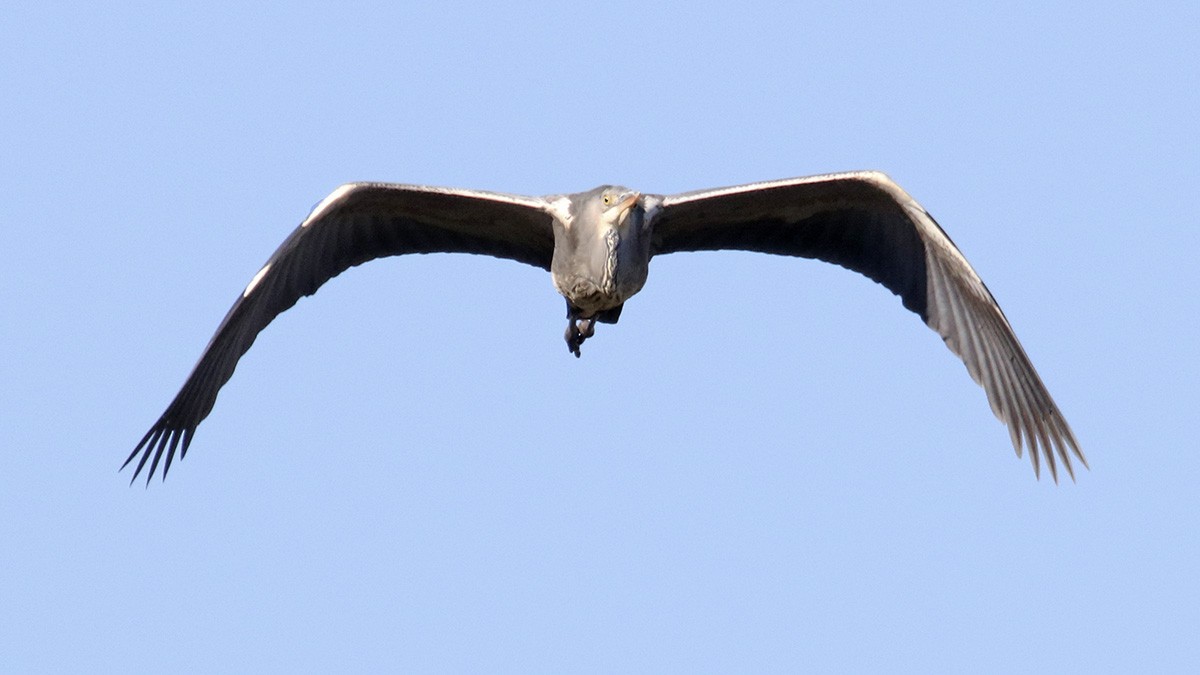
{"x": 356, "y": 223}
{"x": 865, "y": 222}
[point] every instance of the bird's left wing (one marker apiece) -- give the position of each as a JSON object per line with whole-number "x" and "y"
{"x": 356, "y": 223}
{"x": 865, "y": 222}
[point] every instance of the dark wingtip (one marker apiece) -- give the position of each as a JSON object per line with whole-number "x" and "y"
{"x": 143, "y": 448}
{"x": 187, "y": 440}
{"x": 171, "y": 453}
{"x": 162, "y": 437}
{"x": 137, "y": 449}
{"x": 158, "y": 452}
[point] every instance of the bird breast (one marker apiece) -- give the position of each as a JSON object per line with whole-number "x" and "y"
{"x": 601, "y": 274}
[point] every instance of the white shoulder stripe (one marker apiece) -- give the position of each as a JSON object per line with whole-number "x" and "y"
{"x": 502, "y": 197}
{"x": 323, "y": 205}
{"x": 877, "y": 177}
{"x": 257, "y": 278}
{"x": 334, "y": 197}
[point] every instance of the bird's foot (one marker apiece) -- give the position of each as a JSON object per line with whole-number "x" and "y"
{"x": 577, "y": 332}
{"x": 573, "y": 338}
{"x": 587, "y": 328}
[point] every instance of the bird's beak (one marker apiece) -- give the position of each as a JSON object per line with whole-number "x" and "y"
{"x": 629, "y": 201}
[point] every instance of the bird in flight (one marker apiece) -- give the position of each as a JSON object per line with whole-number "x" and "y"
{"x": 597, "y": 246}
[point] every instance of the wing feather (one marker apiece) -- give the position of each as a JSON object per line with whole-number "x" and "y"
{"x": 356, "y": 223}
{"x": 865, "y": 222}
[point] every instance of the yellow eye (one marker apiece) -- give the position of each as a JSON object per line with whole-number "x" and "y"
{"x": 608, "y": 200}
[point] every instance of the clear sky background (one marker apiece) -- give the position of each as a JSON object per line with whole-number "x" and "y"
{"x": 768, "y": 464}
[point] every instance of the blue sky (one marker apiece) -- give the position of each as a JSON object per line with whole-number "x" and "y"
{"x": 768, "y": 464}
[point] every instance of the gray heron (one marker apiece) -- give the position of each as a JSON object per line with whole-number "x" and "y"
{"x": 597, "y": 246}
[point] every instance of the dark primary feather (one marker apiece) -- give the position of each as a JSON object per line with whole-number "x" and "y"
{"x": 866, "y": 223}
{"x": 357, "y": 223}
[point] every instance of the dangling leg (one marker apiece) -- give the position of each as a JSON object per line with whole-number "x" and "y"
{"x": 587, "y": 328}
{"x": 572, "y": 336}
{"x": 583, "y": 329}
{"x": 578, "y": 329}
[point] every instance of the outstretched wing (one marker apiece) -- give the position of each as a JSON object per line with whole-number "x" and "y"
{"x": 865, "y": 222}
{"x": 356, "y": 223}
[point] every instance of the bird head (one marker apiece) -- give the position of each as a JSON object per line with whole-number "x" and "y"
{"x": 615, "y": 203}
